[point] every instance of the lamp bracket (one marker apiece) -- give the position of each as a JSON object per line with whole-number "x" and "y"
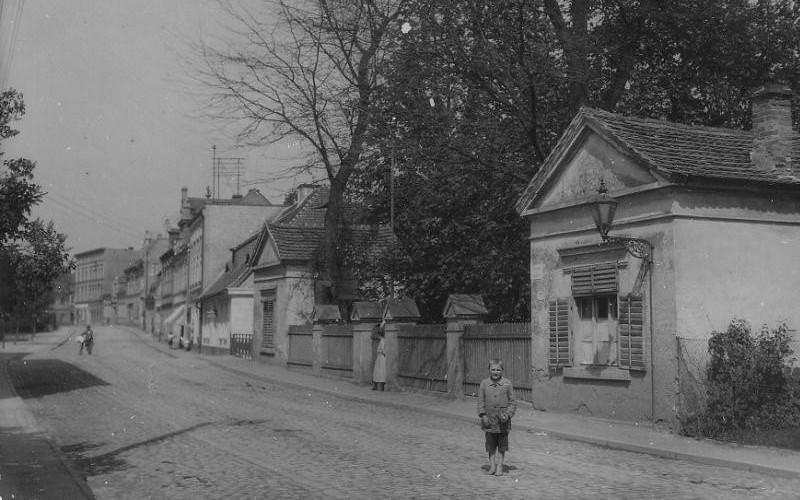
{"x": 639, "y": 248}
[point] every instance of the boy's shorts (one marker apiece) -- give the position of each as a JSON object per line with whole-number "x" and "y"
{"x": 496, "y": 441}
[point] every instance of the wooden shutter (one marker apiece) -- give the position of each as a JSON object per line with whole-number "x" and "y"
{"x": 596, "y": 279}
{"x": 559, "y": 333}
{"x": 267, "y": 321}
{"x": 631, "y": 333}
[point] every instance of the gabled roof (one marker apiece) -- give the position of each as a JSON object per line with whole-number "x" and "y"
{"x": 309, "y": 212}
{"x": 297, "y": 233}
{"x": 231, "y": 277}
{"x": 668, "y": 149}
{"x": 296, "y": 243}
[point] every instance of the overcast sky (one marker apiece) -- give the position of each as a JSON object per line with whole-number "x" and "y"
{"x": 112, "y": 116}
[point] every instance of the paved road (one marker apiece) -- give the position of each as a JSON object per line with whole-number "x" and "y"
{"x": 143, "y": 423}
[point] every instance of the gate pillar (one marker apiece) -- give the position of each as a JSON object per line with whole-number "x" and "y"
{"x": 396, "y": 312}
{"x": 365, "y": 318}
{"x": 324, "y": 314}
{"x": 460, "y": 310}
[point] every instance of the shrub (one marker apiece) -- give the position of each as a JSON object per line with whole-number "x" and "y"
{"x": 750, "y": 383}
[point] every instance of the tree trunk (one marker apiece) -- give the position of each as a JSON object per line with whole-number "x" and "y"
{"x": 333, "y": 238}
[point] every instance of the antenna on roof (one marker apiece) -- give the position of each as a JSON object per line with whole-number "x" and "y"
{"x": 225, "y": 168}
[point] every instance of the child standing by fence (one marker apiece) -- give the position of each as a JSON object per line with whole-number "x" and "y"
{"x": 496, "y": 406}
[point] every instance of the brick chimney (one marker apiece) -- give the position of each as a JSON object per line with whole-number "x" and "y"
{"x": 186, "y": 209}
{"x": 772, "y": 129}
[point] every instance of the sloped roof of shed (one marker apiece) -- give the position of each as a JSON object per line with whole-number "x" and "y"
{"x": 230, "y": 278}
{"x": 670, "y": 149}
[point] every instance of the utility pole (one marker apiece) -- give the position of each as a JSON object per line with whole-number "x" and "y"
{"x": 391, "y": 191}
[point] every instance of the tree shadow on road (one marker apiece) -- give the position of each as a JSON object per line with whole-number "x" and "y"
{"x": 34, "y": 378}
{"x": 96, "y": 465}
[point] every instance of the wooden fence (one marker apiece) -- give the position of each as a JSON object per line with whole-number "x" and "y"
{"x": 337, "y": 349}
{"x": 422, "y": 357}
{"x": 510, "y": 342}
{"x": 301, "y": 349}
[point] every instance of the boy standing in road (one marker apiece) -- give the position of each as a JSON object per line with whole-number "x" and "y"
{"x": 496, "y": 406}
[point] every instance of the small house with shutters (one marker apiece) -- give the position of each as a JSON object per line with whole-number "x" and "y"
{"x": 286, "y": 269}
{"x": 707, "y": 229}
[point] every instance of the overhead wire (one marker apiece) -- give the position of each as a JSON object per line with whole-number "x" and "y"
{"x": 87, "y": 215}
{"x": 122, "y": 221}
{"x": 8, "y": 46}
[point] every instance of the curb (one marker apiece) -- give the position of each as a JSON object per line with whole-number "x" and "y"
{"x": 567, "y": 436}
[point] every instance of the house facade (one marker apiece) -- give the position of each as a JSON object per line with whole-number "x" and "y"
{"x": 706, "y": 229}
{"x": 286, "y": 269}
{"x": 200, "y": 249}
{"x": 284, "y": 272}
{"x": 95, "y": 271}
{"x": 129, "y": 296}
{"x": 212, "y": 231}
{"x": 153, "y": 248}
{"x": 227, "y": 304}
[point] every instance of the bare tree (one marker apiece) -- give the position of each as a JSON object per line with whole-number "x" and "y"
{"x": 308, "y": 70}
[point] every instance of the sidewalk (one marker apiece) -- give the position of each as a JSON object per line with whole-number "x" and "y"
{"x": 31, "y": 466}
{"x": 628, "y": 436}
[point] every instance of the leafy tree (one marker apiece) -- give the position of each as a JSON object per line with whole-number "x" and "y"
{"x": 18, "y": 192}
{"x": 32, "y": 252}
{"x": 704, "y": 59}
{"x": 307, "y": 70}
{"x": 36, "y": 261}
{"x": 478, "y": 92}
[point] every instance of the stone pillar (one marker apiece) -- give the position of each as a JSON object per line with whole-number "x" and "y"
{"x": 396, "y": 313}
{"x": 364, "y": 318}
{"x": 324, "y": 314}
{"x": 459, "y": 311}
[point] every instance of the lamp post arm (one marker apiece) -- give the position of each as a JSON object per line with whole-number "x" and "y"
{"x": 639, "y": 248}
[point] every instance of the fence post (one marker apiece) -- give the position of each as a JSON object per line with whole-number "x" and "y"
{"x": 324, "y": 314}
{"x": 364, "y": 318}
{"x": 396, "y": 313}
{"x": 460, "y": 310}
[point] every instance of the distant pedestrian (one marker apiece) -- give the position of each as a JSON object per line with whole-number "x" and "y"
{"x": 87, "y": 340}
{"x": 496, "y": 406}
{"x": 379, "y": 369}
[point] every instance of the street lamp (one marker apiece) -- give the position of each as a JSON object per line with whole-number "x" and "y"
{"x": 603, "y": 210}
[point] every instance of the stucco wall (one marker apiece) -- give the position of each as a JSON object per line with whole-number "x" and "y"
{"x": 294, "y": 303}
{"x": 562, "y": 219}
{"x": 234, "y": 314}
{"x": 226, "y": 226}
{"x": 736, "y": 256}
{"x": 643, "y": 395}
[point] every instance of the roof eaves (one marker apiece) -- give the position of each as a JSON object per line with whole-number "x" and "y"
{"x": 563, "y": 146}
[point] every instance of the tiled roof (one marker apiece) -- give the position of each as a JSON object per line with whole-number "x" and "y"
{"x": 310, "y": 212}
{"x": 671, "y": 149}
{"x": 296, "y": 243}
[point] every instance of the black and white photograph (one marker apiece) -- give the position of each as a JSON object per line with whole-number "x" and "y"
{"x": 399, "y": 249}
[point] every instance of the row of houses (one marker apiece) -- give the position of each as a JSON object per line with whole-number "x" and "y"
{"x": 229, "y": 266}
{"x": 645, "y": 236}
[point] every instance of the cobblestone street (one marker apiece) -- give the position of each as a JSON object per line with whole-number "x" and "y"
{"x": 142, "y": 422}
